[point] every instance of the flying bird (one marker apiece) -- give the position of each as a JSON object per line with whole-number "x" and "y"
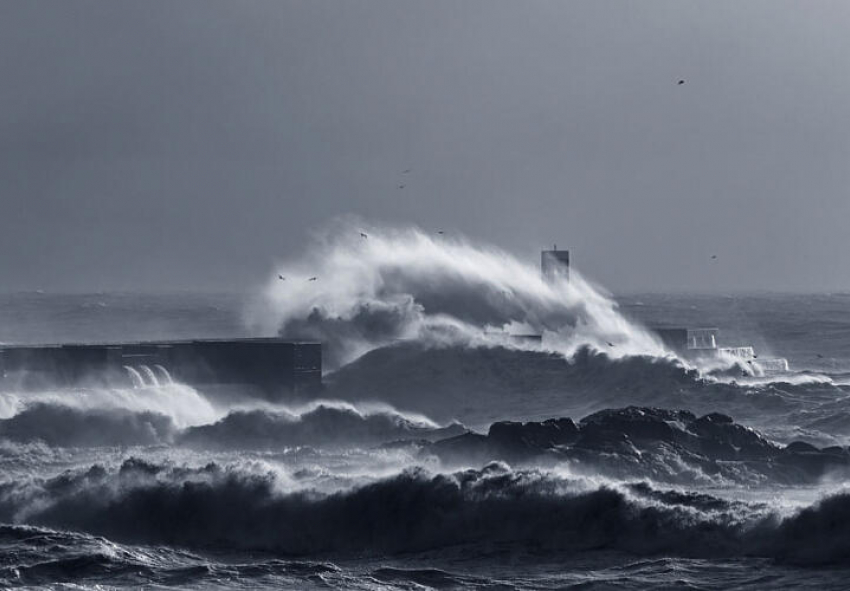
{"x": 312, "y": 279}
{"x": 401, "y": 186}
{"x": 363, "y": 235}
{"x": 818, "y": 355}
{"x": 681, "y": 82}
{"x": 610, "y": 344}
{"x": 440, "y": 232}
{"x": 714, "y": 257}
{"x": 281, "y": 277}
{"x": 405, "y": 171}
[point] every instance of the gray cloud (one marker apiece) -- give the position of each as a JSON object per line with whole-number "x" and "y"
{"x": 178, "y": 145}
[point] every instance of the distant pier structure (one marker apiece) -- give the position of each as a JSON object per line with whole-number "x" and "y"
{"x": 273, "y": 366}
{"x": 555, "y": 264}
{"x": 689, "y": 339}
{"x": 694, "y": 343}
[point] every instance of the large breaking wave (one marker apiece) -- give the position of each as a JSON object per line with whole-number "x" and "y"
{"x": 479, "y": 385}
{"x": 477, "y": 512}
{"x": 321, "y": 424}
{"x": 430, "y": 323}
{"x": 358, "y": 293}
{"x": 180, "y": 403}
{"x": 263, "y": 426}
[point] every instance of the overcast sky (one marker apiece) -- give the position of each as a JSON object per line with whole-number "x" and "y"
{"x": 190, "y": 145}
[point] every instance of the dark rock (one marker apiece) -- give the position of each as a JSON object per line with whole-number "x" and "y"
{"x": 534, "y": 435}
{"x": 654, "y": 424}
{"x": 726, "y": 440}
{"x": 612, "y": 442}
{"x": 628, "y": 432}
{"x": 656, "y": 443}
{"x": 717, "y": 418}
{"x": 801, "y": 447}
{"x": 469, "y": 447}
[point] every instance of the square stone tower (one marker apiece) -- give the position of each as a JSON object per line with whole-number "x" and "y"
{"x": 555, "y": 264}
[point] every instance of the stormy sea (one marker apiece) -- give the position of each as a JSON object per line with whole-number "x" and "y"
{"x": 447, "y": 449}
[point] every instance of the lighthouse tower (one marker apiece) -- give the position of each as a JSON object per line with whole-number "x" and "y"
{"x": 555, "y": 264}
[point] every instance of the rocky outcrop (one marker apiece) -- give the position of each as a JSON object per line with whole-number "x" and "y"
{"x": 667, "y": 445}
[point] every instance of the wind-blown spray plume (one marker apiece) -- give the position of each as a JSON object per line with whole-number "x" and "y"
{"x": 182, "y": 404}
{"x": 403, "y": 284}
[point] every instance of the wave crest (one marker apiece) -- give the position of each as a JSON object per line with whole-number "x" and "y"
{"x": 321, "y": 424}
{"x": 406, "y": 284}
{"x": 476, "y": 510}
{"x": 67, "y": 426}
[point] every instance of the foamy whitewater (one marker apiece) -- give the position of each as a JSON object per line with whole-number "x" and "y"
{"x": 444, "y": 452}
{"x": 405, "y": 285}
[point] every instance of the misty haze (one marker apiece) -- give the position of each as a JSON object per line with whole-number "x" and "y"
{"x": 424, "y": 295}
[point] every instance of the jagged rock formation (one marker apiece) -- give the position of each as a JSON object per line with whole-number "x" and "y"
{"x": 667, "y": 445}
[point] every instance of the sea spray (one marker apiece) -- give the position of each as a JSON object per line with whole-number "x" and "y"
{"x": 405, "y": 284}
{"x": 184, "y": 405}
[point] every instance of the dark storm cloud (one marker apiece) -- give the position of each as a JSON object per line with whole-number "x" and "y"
{"x": 159, "y": 145}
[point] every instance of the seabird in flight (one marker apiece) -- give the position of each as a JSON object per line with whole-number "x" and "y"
{"x": 312, "y": 279}
{"x": 281, "y": 277}
{"x": 363, "y": 235}
{"x": 681, "y": 82}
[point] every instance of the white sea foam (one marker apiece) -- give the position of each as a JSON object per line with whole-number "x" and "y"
{"x": 182, "y": 404}
{"x": 404, "y": 284}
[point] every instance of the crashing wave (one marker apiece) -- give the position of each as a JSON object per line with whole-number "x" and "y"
{"x": 67, "y": 426}
{"x": 472, "y": 511}
{"x": 182, "y": 404}
{"x": 403, "y": 284}
{"x": 320, "y": 424}
{"x": 481, "y": 385}
{"x": 323, "y": 424}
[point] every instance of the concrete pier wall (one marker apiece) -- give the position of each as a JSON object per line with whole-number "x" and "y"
{"x": 273, "y": 365}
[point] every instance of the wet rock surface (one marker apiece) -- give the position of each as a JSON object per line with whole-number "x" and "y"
{"x": 667, "y": 445}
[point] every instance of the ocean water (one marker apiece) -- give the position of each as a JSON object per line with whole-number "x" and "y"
{"x": 374, "y": 485}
